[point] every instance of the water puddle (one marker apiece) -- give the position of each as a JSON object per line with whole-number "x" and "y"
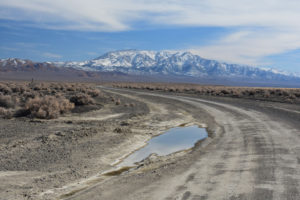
{"x": 173, "y": 140}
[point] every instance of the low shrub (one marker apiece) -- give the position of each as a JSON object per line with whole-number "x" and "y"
{"x": 33, "y": 98}
{"x": 48, "y": 107}
{"x": 82, "y": 99}
{"x": 5, "y": 89}
{"x": 93, "y": 92}
{"x": 6, "y": 113}
{"x": 7, "y": 101}
{"x": 288, "y": 95}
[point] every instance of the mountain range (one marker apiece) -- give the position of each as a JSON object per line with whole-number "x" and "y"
{"x": 155, "y": 63}
{"x": 172, "y": 63}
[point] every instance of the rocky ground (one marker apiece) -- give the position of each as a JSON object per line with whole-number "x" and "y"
{"x": 252, "y": 151}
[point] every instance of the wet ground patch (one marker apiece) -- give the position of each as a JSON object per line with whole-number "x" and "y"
{"x": 173, "y": 140}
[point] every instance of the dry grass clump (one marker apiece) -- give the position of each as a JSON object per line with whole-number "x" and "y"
{"x": 4, "y": 89}
{"x": 45, "y": 99}
{"x": 82, "y": 99}
{"x": 6, "y": 113}
{"x": 93, "y": 92}
{"x": 48, "y": 107}
{"x": 7, "y": 101}
{"x": 288, "y": 95}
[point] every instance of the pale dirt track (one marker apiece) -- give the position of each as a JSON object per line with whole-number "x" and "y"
{"x": 256, "y": 156}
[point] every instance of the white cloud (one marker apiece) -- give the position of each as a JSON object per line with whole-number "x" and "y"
{"x": 272, "y": 25}
{"x": 116, "y": 15}
{"x": 51, "y": 55}
{"x": 250, "y": 47}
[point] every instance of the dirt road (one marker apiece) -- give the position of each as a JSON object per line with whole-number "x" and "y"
{"x": 254, "y": 154}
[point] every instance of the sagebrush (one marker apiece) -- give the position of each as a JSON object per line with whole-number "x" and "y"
{"x": 44, "y": 99}
{"x": 288, "y": 95}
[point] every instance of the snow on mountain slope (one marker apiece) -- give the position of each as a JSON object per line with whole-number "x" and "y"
{"x": 172, "y": 63}
{"x": 156, "y": 63}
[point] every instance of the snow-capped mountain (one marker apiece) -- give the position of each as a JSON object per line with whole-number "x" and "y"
{"x": 152, "y": 65}
{"x": 173, "y": 63}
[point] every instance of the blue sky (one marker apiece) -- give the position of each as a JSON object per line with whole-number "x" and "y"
{"x": 261, "y": 33}
{"x": 39, "y": 44}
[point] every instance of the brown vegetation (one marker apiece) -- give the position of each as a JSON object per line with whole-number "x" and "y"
{"x": 82, "y": 99}
{"x": 6, "y": 113}
{"x": 288, "y": 95}
{"x": 44, "y": 100}
{"x": 7, "y": 101}
{"x": 48, "y": 107}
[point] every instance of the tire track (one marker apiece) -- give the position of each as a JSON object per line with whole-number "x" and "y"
{"x": 256, "y": 158}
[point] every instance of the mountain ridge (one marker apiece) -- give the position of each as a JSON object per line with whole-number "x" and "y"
{"x": 142, "y": 62}
{"x": 153, "y": 66}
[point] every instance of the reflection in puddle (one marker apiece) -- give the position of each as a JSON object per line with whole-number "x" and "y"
{"x": 173, "y": 140}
